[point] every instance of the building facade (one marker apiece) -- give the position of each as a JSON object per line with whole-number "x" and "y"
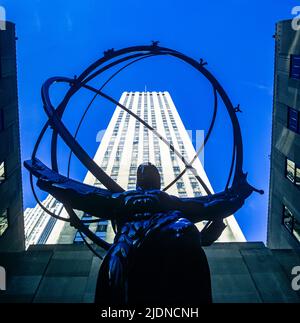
{"x": 284, "y": 198}
{"x": 127, "y": 143}
{"x": 11, "y": 204}
{"x": 40, "y": 227}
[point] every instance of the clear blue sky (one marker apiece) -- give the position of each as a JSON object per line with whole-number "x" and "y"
{"x": 234, "y": 36}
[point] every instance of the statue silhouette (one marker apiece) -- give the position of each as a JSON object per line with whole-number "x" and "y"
{"x": 157, "y": 256}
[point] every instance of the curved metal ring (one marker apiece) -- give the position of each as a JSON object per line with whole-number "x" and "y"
{"x": 91, "y": 72}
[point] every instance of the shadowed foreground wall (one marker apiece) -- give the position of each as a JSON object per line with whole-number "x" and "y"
{"x": 241, "y": 272}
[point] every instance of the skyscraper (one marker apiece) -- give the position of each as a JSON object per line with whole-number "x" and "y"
{"x": 127, "y": 143}
{"x": 11, "y": 203}
{"x": 284, "y": 202}
{"x": 39, "y": 225}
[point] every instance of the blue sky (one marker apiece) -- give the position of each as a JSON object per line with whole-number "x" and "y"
{"x": 61, "y": 38}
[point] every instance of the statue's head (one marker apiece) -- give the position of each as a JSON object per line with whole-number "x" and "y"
{"x": 148, "y": 177}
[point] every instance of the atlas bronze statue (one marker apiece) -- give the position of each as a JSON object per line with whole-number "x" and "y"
{"x": 157, "y": 256}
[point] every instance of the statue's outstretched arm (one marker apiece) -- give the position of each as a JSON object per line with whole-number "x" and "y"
{"x": 216, "y": 206}
{"x": 92, "y": 200}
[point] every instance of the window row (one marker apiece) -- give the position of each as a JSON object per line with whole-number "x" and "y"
{"x": 293, "y": 122}
{"x": 295, "y": 67}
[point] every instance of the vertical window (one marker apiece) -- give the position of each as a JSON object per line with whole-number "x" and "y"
{"x": 3, "y": 221}
{"x": 293, "y": 120}
{"x": 293, "y": 172}
{"x": 290, "y": 170}
{"x": 2, "y": 172}
{"x": 288, "y": 219}
{"x": 291, "y": 223}
{"x": 295, "y": 67}
{"x": 296, "y": 230}
{"x": 180, "y": 185}
{"x": 297, "y": 178}
{"x": 176, "y": 170}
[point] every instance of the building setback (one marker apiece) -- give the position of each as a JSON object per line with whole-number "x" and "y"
{"x": 284, "y": 200}
{"x": 11, "y": 206}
